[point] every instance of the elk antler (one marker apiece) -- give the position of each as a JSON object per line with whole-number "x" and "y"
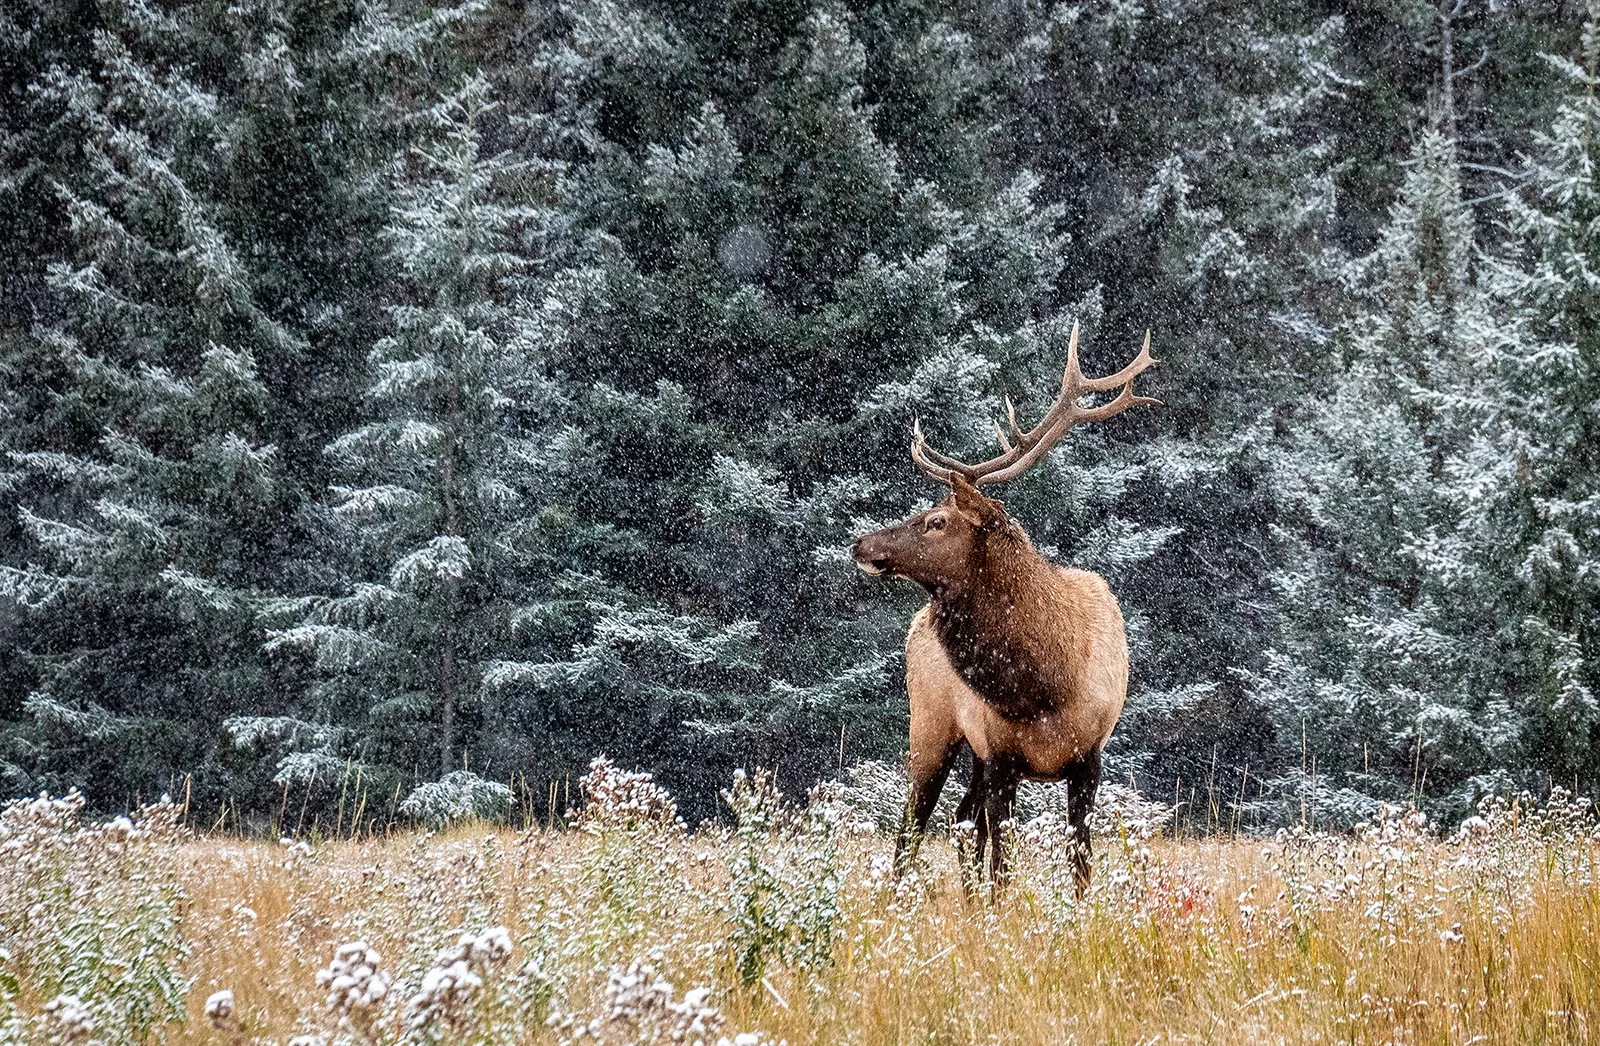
{"x": 1023, "y": 450}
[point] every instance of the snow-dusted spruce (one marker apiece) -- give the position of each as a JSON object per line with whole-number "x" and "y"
{"x": 1395, "y": 585}
{"x": 717, "y": 469}
{"x": 458, "y": 796}
{"x": 1438, "y": 529}
{"x": 1545, "y": 280}
{"x": 436, "y": 497}
{"x": 756, "y": 211}
{"x": 186, "y": 345}
{"x": 146, "y": 480}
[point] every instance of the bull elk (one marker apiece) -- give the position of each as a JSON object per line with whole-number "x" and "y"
{"x": 1023, "y": 661}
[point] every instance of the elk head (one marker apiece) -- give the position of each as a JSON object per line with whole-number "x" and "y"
{"x": 940, "y": 548}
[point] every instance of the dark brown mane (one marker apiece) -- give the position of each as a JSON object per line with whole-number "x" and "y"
{"x": 984, "y": 627}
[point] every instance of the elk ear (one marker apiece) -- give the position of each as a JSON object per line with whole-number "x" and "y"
{"x": 985, "y": 512}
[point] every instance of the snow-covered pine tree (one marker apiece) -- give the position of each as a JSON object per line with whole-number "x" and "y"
{"x": 146, "y": 489}
{"x": 1547, "y": 287}
{"x": 1394, "y": 677}
{"x": 437, "y": 498}
{"x": 263, "y": 159}
{"x": 710, "y": 325}
{"x": 775, "y": 279}
{"x": 787, "y": 229}
{"x": 1209, "y": 215}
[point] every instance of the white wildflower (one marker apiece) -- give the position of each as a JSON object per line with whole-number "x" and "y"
{"x": 451, "y": 986}
{"x": 641, "y": 1007}
{"x": 68, "y": 1020}
{"x": 355, "y": 985}
{"x": 219, "y": 1010}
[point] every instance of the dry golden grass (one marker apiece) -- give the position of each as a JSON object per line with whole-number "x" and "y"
{"x": 791, "y": 927}
{"x": 1231, "y": 941}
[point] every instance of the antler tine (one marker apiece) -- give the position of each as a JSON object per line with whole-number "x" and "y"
{"x": 1011, "y": 416}
{"x": 1000, "y": 434}
{"x": 1027, "y": 460}
{"x": 920, "y": 452}
{"x": 1016, "y": 458}
{"x": 1072, "y": 377}
{"x": 1139, "y": 365}
{"x": 937, "y": 458}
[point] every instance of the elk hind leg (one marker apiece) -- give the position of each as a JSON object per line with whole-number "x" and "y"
{"x": 971, "y": 812}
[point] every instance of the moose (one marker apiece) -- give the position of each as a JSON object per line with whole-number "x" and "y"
{"x": 1023, "y": 661}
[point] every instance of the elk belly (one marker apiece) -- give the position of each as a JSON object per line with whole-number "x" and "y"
{"x": 1039, "y": 748}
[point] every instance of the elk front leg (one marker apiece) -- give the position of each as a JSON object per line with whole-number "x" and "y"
{"x": 1001, "y": 787}
{"x": 927, "y": 767}
{"x": 1083, "y": 782}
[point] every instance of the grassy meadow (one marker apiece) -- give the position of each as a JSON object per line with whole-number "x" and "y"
{"x": 625, "y": 927}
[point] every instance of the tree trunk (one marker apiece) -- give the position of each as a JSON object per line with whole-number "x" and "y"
{"x": 451, "y": 526}
{"x": 447, "y": 699}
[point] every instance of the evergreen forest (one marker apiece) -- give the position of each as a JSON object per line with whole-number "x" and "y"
{"x": 418, "y": 399}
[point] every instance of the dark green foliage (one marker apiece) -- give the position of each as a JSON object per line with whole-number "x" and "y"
{"x": 145, "y": 483}
{"x": 392, "y": 391}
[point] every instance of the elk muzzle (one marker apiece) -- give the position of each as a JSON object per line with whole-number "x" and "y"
{"x": 872, "y": 553}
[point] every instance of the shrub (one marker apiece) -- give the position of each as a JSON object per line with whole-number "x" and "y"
{"x": 784, "y": 879}
{"x": 89, "y": 916}
{"x": 459, "y": 796}
{"x": 632, "y": 874}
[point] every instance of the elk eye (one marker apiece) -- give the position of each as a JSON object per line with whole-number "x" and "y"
{"x": 935, "y": 522}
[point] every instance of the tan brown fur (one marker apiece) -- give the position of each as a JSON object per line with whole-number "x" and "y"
{"x": 1024, "y": 662}
{"x": 946, "y": 711}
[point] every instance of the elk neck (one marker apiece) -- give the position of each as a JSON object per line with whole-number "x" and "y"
{"x": 987, "y": 624}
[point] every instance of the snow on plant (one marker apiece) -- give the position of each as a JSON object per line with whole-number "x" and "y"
{"x": 1402, "y": 887}
{"x": 356, "y": 986}
{"x": 444, "y": 1003}
{"x": 1300, "y": 857}
{"x": 1124, "y": 821}
{"x": 466, "y": 994}
{"x": 296, "y": 852}
{"x": 631, "y": 879}
{"x": 10, "y": 1019}
{"x": 624, "y": 801}
{"x": 784, "y": 879}
{"x": 871, "y": 798}
{"x": 616, "y": 914}
{"x": 446, "y": 885}
{"x": 458, "y": 796}
{"x": 1117, "y": 808}
{"x": 1046, "y": 853}
{"x": 641, "y": 1008}
{"x": 67, "y": 1020}
{"x": 1133, "y": 886}
{"x": 220, "y": 1011}
{"x": 89, "y": 914}
{"x": 1512, "y": 842}
{"x": 1385, "y": 868}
